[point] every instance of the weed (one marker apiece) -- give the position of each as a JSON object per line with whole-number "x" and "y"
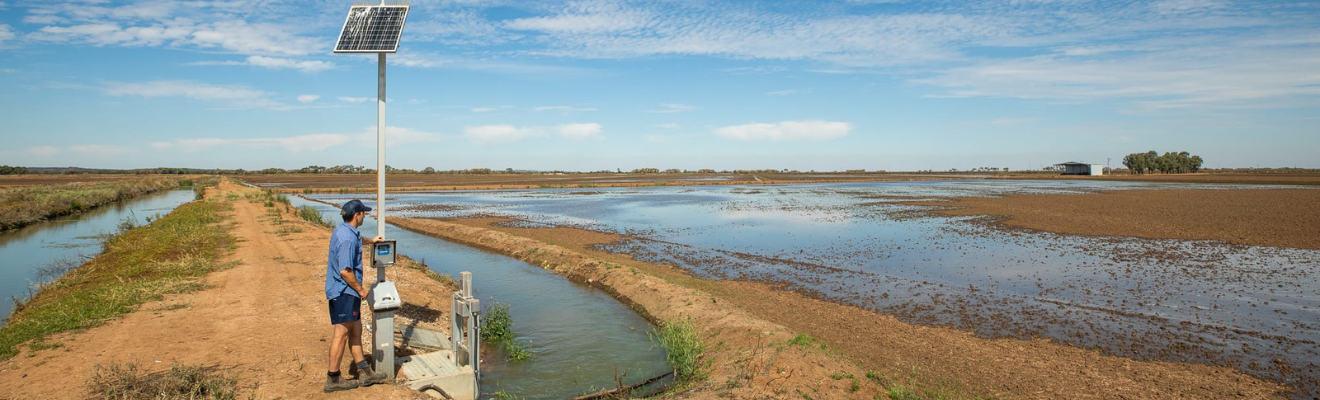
{"x": 840, "y": 376}
{"x": 497, "y": 329}
{"x": 683, "y": 349}
{"x": 309, "y": 213}
{"x": 901, "y": 393}
{"x": 805, "y": 340}
{"x": 127, "y": 381}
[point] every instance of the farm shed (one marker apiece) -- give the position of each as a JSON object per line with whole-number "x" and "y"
{"x": 1080, "y": 168}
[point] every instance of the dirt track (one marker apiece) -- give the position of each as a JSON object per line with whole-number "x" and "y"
{"x": 751, "y": 323}
{"x": 263, "y": 321}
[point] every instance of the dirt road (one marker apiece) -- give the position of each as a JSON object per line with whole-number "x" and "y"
{"x": 263, "y": 321}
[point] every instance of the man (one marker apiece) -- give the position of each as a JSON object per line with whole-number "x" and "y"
{"x": 343, "y": 289}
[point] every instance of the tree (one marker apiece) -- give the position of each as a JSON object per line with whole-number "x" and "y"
{"x": 1168, "y": 163}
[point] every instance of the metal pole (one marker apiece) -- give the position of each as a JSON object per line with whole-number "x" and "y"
{"x": 380, "y": 154}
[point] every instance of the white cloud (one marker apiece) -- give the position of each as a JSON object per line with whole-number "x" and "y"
{"x": 782, "y": 92}
{"x": 100, "y": 149}
{"x": 43, "y": 151}
{"x": 318, "y": 142}
{"x": 671, "y": 125}
{"x": 193, "y": 90}
{"x": 6, "y": 34}
{"x": 347, "y": 99}
{"x": 786, "y": 131}
{"x": 587, "y": 17}
{"x": 672, "y": 108}
{"x": 484, "y": 109}
{"x": 308, "y": 98}
{"x": 275, "y": 63}
{"x": 580, "y": 131}
{"x": 563, "y": 108}
{"x": 494, "y": 134}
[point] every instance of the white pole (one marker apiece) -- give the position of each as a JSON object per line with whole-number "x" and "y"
{"x": 380, "y": 154}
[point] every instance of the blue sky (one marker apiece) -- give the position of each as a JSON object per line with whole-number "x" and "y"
{"x": 591, "y": 85}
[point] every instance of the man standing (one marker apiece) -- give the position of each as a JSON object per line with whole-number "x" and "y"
{"x": 343, "y": 289}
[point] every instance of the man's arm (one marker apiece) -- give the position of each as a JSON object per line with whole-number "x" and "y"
{"x": 367, "y": 240}
{"x": 344, "y": 262}
{"x": 347, "y": 274}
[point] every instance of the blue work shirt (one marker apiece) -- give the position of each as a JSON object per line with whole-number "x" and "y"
{"x": 345, "y": 252}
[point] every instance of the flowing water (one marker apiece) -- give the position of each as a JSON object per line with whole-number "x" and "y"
{"x": 42, "y": 252}
{"x": 581, "y": 338}
{"x": 1253, "y": 308}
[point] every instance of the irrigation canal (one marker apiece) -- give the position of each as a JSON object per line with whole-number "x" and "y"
{"x": 43, "y": 251}
{"x": 580, "y": 337}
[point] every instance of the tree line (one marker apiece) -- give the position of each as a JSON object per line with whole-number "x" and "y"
{"x": 1169, "y": 163}
{"x": 8, "y": 170}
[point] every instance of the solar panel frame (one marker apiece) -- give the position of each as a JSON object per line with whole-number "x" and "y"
{"x": 372, "y": 29}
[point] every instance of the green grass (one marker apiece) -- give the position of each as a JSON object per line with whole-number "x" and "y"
{"x": 129, "y": 382}
{"x": 138, "y": 265}
{"x": 683, "y": 349}
{"x": 497, "y": 330}
{"x": 309, "y": 213}
{"x": 23, "y": 206}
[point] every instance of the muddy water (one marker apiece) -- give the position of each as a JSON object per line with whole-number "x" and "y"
{"x": 1253, "y": 308}
{"x": 581, "y": 337}
{"x": 42, "y": 252}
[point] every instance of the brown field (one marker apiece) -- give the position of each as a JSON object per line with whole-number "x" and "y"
{"x": 403, "y": 182}
{"x": 1258, "y": 217}
{"x": 52, "y": 179}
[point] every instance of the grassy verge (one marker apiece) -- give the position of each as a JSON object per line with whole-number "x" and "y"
{"x": 497, "y": 330}
{"x": 128, "y": 382}
{"x": 683, "y": 349}
{"x": 23, "y": 206}
{"x": 138, "y": 265}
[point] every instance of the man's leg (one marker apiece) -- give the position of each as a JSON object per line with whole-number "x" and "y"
{"x": 334, "y": 380}
{"x": 355, "y": 340}
{"x": 367, "y": 375}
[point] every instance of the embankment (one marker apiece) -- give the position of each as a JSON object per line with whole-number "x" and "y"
{"x": 768, "y": 343}
{"x": 22, "y": 206}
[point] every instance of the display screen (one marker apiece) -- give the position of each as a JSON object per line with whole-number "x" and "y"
{"x": 383, "y": 250}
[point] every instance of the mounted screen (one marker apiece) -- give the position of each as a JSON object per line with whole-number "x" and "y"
{"x": 372, "y": 29}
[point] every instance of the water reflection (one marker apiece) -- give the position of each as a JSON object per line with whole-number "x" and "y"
{"x": 580, "y": 337}
{"x": 1251, "y": 307}
{"x": 69, "y": 240}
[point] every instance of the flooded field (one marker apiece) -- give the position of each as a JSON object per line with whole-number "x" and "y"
{"x": 581, "y": 338}
{"x": 44, "y": 251}
{"x": 1253, "y": 308}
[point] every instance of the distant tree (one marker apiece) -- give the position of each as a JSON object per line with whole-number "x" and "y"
{"x": 673, "y": 171}
{"x": 8, "y": 170}
{"x": 428, "y": 170}
{"x": 1169, "y": 163}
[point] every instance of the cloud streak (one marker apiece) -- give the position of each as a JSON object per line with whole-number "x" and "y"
{"x": 808, "y": 130}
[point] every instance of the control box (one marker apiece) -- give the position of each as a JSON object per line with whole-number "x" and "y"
{"x": 382, "y": 253}
{"x": 384, "y": 297}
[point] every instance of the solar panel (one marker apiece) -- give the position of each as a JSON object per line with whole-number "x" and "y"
{"x": 372, "y": 29}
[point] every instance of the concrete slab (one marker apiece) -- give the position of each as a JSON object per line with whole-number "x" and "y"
{"x": 422, "y": 339}
{"x": 439, "y": 371}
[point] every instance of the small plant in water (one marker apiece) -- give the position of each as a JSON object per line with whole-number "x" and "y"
{"x": 497, "y": 330}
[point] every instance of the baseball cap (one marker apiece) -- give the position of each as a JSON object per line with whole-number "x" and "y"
{"x": 353, "y": 207}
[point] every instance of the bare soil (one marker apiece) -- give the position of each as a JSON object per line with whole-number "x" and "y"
{"x": 263, "y": 321}
{"x": 1277, "y": 218}
{"x": 748, "y": 328}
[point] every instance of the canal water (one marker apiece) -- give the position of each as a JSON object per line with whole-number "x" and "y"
{"x": 580, "y": 337}
{"x": 43, "y": 251}
{"x": 1254, "y": 308}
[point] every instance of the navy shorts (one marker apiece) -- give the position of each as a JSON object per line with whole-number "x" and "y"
{"x": 345, "y": 308}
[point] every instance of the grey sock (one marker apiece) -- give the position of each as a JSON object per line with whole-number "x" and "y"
{"x": 363, "y": 365}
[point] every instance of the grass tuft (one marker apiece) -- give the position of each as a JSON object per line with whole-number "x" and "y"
{"x": 129, "y": 382}
{"x": 683, "y": 349}
{"x": 309, "y": 213}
